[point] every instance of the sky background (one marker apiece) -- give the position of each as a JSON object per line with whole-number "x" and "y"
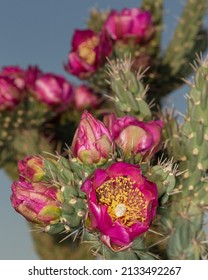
{"x": 39, "y": 32}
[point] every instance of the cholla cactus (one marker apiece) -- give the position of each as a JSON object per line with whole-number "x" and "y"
{"x": 131, "y": 181}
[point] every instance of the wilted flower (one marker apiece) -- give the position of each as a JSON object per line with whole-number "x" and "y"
{"x": 53, "y": 90}
{"x": 10, "y": 95}
{"x": 16, "y": 74}
{"x": 85, "y": 97}
{"x": 129, "y": 24}
{"x": 31, "y": 168}
{"x": 92, "y": 142}
{"x": 122, "y": 203}
{"x": 89, "y": 50}
{"x": 37, "y": 202}
{"x": 134, "y": 136}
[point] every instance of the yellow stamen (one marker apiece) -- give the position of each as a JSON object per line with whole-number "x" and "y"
{"x": 125, "y": 202}
{"x": 86, "y": 50}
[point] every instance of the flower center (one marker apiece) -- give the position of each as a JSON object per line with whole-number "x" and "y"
{"x": 86, "y": 50}
{"x": 124, "y": 201}
{"x": 120, "y": 210}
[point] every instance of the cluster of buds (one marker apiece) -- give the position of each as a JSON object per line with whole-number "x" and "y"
{"x": 38, "y": 201}
{"x": 90, "y": 48}
{"x": 50, "y": 89}
{"x": 95, "y": 142}
{"x": 121, "y": 201}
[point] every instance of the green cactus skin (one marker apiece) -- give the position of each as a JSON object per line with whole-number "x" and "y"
{"x": 189, "y": 38}
{"x": 129, "y": 91}
{"x": 156, "y": 9}
{"x": 187, "y": 239}
{"x": 185, "y": 36}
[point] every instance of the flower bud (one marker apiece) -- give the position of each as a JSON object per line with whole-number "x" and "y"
{"x": 92, "y": 142}
{"x": 37, "y": 202}
{"x": 31, "y": 168}
{"x": 10, "y": 95}
{"x": 85, "y": 98}
{"x": 16, "y": 74}
{"x": 129, "y": 24}
{"x": 134, "y": 136}
{"x": 53, "y": 90}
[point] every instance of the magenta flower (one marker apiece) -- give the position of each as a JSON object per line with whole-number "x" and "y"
{"x": 31, "y": 168}
{"x": 85, "y": 98}
{"x": 89, "y": 50}
{"x": 92, "y": 142}
{"x": 134, "y": 136}
{"x": 37, "y": 202}
{"x": 10, "y": 95}
{"x": 53, "y": 90}
{"x": 129, "y": 24}
{"x": 15, "y": 73}
{"x": 122, "y": 203}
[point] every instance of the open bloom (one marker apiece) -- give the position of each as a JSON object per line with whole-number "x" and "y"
{"x": 122, "y": 203}
{"x": 129, "y": 24}
{"x": 37, "y": 202}
{"x": 134, "y": 136}
{"x": 10, "y": 95}
{"x": 31, "y": 168}
{"x": 89, "y": 49}
{"x": 92, "y": 141}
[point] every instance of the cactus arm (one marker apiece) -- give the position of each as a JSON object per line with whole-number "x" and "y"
{"x": 187, "y": 240}
{"x": 156, "y": 9}
{"x": 188, "y": 39}
{"x": 128, "y": 89}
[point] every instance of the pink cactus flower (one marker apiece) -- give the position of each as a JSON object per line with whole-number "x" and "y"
{"x": 92, "y": 142}
{"x": 134, "y": 136}
{"x": 31, "y": 168}
{"x": 85, "y": 98}
{"x": 122, "y": 203}
{"x": 15, "y": 73}
{"x": 10, "y": 95}
{"x": 53, "y": 90}
{"x": 37, "y": 202}
{"x": 129, "y": 24}
{"x": 89, "y": 50}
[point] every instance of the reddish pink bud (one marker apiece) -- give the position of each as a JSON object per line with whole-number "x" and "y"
{"x": 129, "y": 24}
{"x": 134, "y": 136}
{"x": 122, "y": 203}
{"x": 31, "y": 168}
{"x": 53, "y": 90}
{"x": 15, "y": 73}
{"x": 32, "y": 74}
{"x": 10, "y": 95}
{"x": 85, "y": 98}
{"x": 92, "y": 142}
{"x": 37, "y": 202}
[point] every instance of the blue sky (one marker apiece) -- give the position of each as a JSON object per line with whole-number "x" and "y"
{"x": 39, "y": 32}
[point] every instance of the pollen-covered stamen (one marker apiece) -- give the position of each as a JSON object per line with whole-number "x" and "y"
{"x": 86, "y": 50}
{"x": 125, "y": 202}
